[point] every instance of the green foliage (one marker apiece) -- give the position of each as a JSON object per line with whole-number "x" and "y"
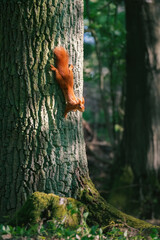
{"x": 57, "y": 230}
{"x": 104, "y": 52}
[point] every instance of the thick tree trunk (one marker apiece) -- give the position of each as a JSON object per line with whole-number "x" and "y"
{"x": 39, "y": 149}
{"x": 142, "y": 113}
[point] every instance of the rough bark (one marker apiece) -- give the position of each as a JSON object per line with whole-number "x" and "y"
{"x": 40, "y": 150}
{"x": 142, "y": 114}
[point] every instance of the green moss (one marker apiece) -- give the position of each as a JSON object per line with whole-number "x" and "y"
{"x": 41, "y": 206}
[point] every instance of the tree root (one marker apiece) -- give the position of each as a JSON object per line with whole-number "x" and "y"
{"x": 103, "y": 214}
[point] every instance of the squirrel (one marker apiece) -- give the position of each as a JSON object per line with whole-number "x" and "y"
{"x": 64, "y": 77}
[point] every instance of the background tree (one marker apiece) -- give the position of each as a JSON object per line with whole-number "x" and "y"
{"x": 142, "y": 116}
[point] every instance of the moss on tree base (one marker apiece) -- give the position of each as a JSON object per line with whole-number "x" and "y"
{"x": 41, "y": 206}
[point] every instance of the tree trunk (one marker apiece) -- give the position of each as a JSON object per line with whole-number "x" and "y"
{"x": 142, "y": 113}
{"x": 40, "y": 150}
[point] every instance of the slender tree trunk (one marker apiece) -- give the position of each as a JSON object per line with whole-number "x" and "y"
{"x": 39, "y": 149}
{"x": 142, "y": 114}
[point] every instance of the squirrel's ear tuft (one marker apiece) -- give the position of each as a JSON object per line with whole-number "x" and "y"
{"x": 83, "y": 101}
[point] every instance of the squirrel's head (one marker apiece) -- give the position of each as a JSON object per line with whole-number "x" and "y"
{"x": 81, "y": 105}
{"x": 78, "y": 105}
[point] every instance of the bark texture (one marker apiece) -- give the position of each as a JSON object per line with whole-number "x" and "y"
{"x": 39, "y": 149}
{"x": 142, "y": 118}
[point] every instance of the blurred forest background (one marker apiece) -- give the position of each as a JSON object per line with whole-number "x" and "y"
{"x": 119, "y": 181}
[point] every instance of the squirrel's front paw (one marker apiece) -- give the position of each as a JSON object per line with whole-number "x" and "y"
{"x": 71, "y": 67}
{"x": 52, "y": 68}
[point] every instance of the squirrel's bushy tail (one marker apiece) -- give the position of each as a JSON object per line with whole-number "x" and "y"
{"x": 61, "y": 54}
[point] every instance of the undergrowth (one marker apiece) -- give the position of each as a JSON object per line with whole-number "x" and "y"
{"x": 55, "y": 230}
{"x": 50, "y": 231}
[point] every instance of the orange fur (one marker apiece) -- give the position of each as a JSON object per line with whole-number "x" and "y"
{"x": 64, "y": 77}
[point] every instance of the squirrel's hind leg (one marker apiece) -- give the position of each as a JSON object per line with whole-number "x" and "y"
{"x": 52, "y": 68}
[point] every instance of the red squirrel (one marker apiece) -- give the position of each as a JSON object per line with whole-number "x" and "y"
{"x": 64, "y": 77}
